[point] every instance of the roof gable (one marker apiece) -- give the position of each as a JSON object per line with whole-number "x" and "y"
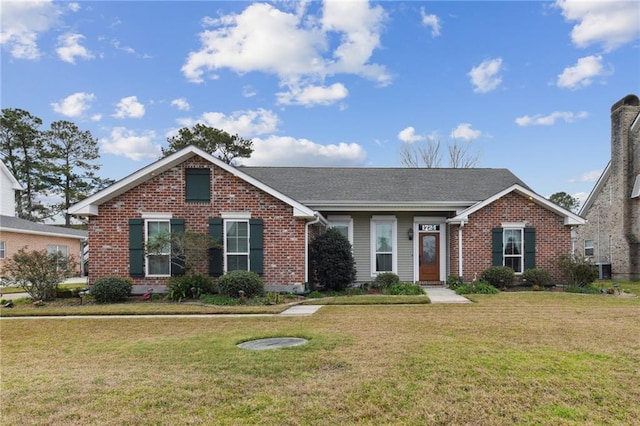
{"x": 89, "y": 206}
{"x": 569, "y": 217}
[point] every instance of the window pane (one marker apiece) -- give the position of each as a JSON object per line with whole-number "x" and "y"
{"x": 237, "y": 262}
{"x": 159, "y": 265}
{"x": 512, "y": 242}
{"x": 384, "y": 232}
{"x": 383, "y": 263}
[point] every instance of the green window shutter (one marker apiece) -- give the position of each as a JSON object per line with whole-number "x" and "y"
{"x": 216, "y": 264}
{"x": 197, "y": 185}
{"x": 256, "y": 257}
{"x": 529, "y": 248}
{"x": 136, "y": 247}
{"x": 177, "y": 265}
{"x": 496, "y": 247}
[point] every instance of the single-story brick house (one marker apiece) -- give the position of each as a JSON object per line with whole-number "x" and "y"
{"x": 423, "y": 224}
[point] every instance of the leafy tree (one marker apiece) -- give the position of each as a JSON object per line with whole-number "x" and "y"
{"x": 332, "y": 262}
{"x": 38, "y": 272}
{"x": 565, "y": 200}
{"x": 23, "y": 154}
{"x": 74, "y": 154}
{"x": 429, "y": 155}
{"x": 213, "y": 141}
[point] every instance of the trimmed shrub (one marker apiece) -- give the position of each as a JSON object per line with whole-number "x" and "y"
{"x": 537, "y": 276}
{"x": 232, "y": 283}
{"x": 409, "y": 289}
{"x": 498, "y": 276}
{"x": 479, "y": 287}
{"x": 386, "y": 280}
{"x": 454, "y": 281}
{"x": 578, "y": 271}
{"x": 184, "y": 287}
{"x": 111, "y": 289}
{"x": 332, "y": 265}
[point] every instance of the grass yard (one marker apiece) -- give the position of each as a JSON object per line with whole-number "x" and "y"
{"x": 529, "y": 358}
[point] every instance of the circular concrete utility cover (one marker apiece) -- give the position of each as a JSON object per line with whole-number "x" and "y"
{"x": 272, "y": 343}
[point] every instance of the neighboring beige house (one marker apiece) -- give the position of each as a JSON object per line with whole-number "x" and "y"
{"x": 611, "y": 237}
{"x": 16, "y": 233}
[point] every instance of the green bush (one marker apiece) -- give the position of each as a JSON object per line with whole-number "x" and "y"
{"x": 578, "y": 271}
{"x": 454, "y": 281}
{"x": 479, "y": 287}
{"x": 404, "y": 289}
{"x": 385, "y": 280}
{"x": 331, "y": 261}
{"x": 232, "y": 283}
{"x": 180, "y": 287}
{"x": 537, "y": 276}
{"x": 498, "y": 276}
{"x": 111, "y": 289}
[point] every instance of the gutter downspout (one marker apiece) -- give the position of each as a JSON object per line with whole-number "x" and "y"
{"x": 318, "y": 219}
{"x": 462, "y": 222}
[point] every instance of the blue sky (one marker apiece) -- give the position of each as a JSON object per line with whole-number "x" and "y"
{"x": 526, "y": 85}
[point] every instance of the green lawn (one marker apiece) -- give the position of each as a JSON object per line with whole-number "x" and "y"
{"x": 529, "y": 358}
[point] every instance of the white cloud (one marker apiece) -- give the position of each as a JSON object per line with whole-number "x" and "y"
{"x": 590, "y": 176}
{"x": 129, "y": 107}
{"x": 582, "y": 73}
{"x": 430, "y": 21}
{"x": 128, "y": 143}
{"x": 74, "y": 105}
{"x": 295, "y": 47}
{"x": 610, "y": 23}
{"x": 313, "y": 95}
{"x": 181, "y": 104}
{"x": 408, "y": 135}
{"x": 464, "y": 131}
{"x": 548, "y": 120}
{"x": 289, "y": 151}
{"x": 485, "y": 77}
{"x": 22, "y": 22}
{"x": 246, "y": 123}
{"x": 69, "y": 48}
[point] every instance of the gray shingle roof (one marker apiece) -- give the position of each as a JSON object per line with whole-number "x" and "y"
{"x": 8, "y": 223}
{"x": 315, "y": 185}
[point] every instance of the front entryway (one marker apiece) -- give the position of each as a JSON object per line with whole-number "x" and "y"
{"x": 429, "y": 256}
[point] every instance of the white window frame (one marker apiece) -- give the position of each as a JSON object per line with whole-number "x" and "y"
{"x": 335, "y": 221}
{"x": 589, "y": 247}
{"x": 227, "y": 253}
{"x": 376, "y": 220}
{"x": 504, "y": 247}
{"x": 155, "y": 219}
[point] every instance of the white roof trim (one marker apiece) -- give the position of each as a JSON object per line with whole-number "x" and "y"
{"x": 569, "y": 217}
{"x": 89, "y": 206}
{"x": 596, "y": 190}
{"x": 14, "y": 182}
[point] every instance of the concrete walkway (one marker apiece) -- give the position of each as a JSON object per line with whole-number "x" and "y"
{"x": 444, "y": 295}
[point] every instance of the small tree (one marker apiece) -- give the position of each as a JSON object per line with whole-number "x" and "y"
{"x": 332, "y": 263}
{"x": 38, "y": 272}
{"x": 188, "y": 249}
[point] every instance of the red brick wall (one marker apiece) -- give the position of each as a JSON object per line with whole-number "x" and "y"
{"x": 284, "y": 242}
{"x": 553, "y": 238}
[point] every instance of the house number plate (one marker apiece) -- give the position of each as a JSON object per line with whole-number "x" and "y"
{"x": 429, "y": 227}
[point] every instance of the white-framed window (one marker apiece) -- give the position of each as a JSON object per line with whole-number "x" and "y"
{"x": 3, "y": 250}
{"x": 588, "y": 248}
{"x": 513, "y": 243}
{"x": 344, "y": 224}
{"x": 383, "y": 244}
{"x": 158, "y": 261}
{"x": 236, "y": 244}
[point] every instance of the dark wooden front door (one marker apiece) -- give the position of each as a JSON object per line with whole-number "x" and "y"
{"x": 429, "y": 257}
